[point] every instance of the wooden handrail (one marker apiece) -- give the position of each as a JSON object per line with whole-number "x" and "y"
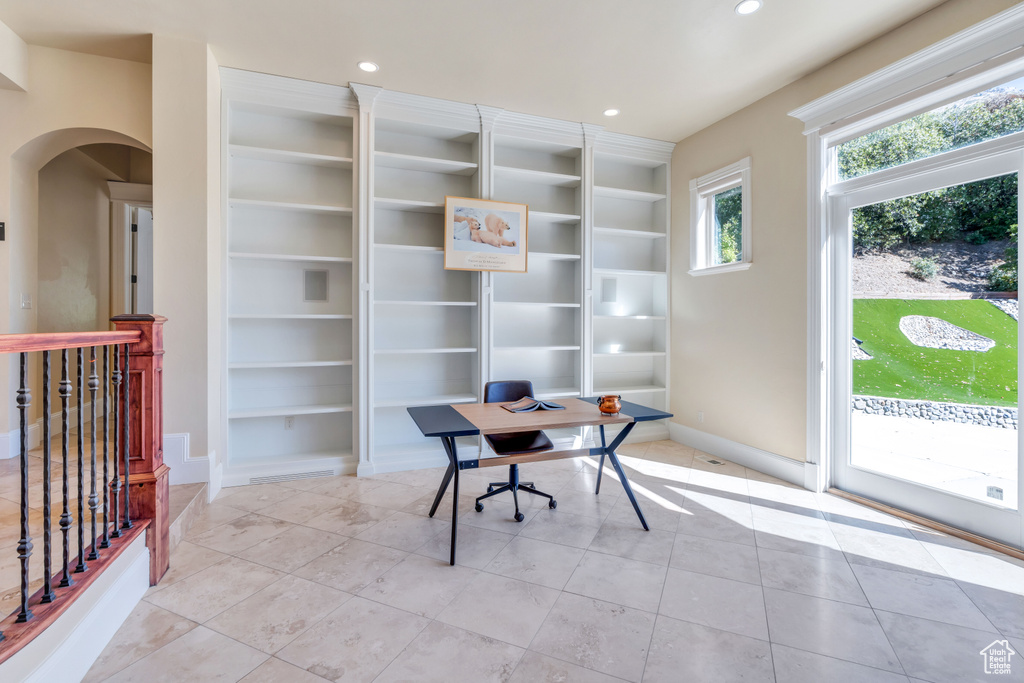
{"x": 133, "y": 393}
{"x": 25, "y": 343}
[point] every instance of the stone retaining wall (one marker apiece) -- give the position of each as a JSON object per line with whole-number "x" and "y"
{"x": 987, "y": 416}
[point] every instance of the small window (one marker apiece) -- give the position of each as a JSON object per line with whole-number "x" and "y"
{"x": 720, "y": 220}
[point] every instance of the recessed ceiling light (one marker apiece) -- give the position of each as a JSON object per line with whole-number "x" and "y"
{"x": 371, "y": 67}
{"x": 611, "y": 112}
{"x": 748, "y": 6}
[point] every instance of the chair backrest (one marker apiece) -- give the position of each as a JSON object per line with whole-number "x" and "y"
{"x": 507, "y": 390}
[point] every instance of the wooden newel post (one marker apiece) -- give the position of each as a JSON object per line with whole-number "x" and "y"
{"x": 148, "y": 475}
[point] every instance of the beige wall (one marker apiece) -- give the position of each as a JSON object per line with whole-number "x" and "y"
{"x": 72, "y": 99}
{"x": 186, "y": 200}
{"x": 739, "y": 340}
{"x": 74, "y": 229}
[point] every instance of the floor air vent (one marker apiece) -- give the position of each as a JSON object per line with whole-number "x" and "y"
{"x": 710, "y": 461}
{"x": 291, "y": 477}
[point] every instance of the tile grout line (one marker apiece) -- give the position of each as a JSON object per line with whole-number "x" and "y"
{"x": 978, "y": 607}
{"x": 767, "y": 621}
{"x": 878, "y": 621}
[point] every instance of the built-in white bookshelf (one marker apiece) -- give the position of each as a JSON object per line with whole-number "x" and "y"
{"x": 630, "y": 331}
{"x": 339, "y": 314}
{"x": 288, "y": 180}
{"x": 537, "y": 317}
{"x": 424, "y": 319}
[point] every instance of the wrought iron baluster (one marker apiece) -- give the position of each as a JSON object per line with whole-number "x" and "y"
{"x": 48, "y": 594}
{"x": 25, "y": 545}
{"x": 115, "y": 481}
{"x": 126, "y": 389}
{"x": 105, "y": 543}
{"x": 65, "y": 518}
{"x": 94, "y": 383}
{"x": 81, "y": 566}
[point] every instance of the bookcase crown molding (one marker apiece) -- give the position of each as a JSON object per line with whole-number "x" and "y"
{"x": 286, "y": 93}
{"x": 540, "y": 128}
{"x": 400, "y": 106}
{"x": 620, "y": 144}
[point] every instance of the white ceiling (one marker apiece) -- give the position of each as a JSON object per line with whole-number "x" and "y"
{"x": 671, "y": 66}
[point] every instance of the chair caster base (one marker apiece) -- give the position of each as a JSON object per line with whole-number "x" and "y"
{"x": 519, "y": 517}
{"x": 552, "y": 504}
{"x": 479, "y": 507}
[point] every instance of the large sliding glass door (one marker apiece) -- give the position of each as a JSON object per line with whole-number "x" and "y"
{"x": 924, "y": 346}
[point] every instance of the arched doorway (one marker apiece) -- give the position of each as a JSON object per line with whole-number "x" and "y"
{"x": 90, "y": 197}
{"x": 22, "y": 281}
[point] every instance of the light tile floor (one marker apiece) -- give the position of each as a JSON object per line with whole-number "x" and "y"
{"x": 742, "y": 577}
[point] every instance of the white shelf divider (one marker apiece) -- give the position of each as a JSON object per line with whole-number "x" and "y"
{"x": 290, "y": 316}
{"x": 271, "y": 365}
{"x": 385, "y": 302}
{"x": 289, "y": 156}
{"x": 307, "y": 258}
{"x": 411, "y": 162}
{"x": 290, "y": 206}
{"x": 284, "y": 411}
{"x": 549, "y": 217}
{"x": 542, "y": 177}
{"x": 425, "y": 400}
{"x": 427, "y": 350}
{"x": 648, "y": 389}
{"x": 627, "y": 272}
{"x": 541, "y": 304}
{"x": 417, "y": 205}
{"x": 622, "y": 193}
{"x": 625, "y": 232}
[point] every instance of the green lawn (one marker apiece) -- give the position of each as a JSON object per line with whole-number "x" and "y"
{"x": 900, "y": 369}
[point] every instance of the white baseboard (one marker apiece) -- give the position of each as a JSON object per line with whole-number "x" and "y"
{"x": 787, "y": 469}
{"x": 811, "y": 474}
{"x": 293, "y": 467}
{"x": 10, "y": 443}
{"x": 67, "y": 649}
{"x": 216, "y": 474}
{"x": 185, "y": 469}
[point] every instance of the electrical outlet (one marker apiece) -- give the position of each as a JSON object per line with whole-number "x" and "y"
{"x": 700, "y": 416}
{"x": 289, "y": 422}
{"x": 26, "y": 300}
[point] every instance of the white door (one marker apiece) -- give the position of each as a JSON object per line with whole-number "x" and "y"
{"x": 142, "y": 260}
{"x": 954, "y": 469}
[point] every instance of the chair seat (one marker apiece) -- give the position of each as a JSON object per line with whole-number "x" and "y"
{"x": 519, "y": 443}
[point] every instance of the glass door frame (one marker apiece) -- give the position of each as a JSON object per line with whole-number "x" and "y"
{"x": 998, "y": 157}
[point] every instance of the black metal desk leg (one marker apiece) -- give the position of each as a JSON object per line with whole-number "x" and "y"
{"x": 453, "y": 459}
{"x": 600, "y": 466}
{"x": 444, "y": 487}
{"x": 622, "y": 475}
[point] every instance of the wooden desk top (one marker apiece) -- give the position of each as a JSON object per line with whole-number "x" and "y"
{"x": 491, "y": 418}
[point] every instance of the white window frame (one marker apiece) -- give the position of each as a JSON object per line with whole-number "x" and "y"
{"x": 702, "y": 193}
{"x": 975, "y": 59}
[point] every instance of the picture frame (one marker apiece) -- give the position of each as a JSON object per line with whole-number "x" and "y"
{"x": 485, "y": 235}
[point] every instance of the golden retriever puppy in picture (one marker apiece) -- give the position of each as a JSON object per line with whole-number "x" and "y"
{"x": 493, "y": 232}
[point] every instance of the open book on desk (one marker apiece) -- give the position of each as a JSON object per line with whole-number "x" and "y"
{"x": 527, "y": 404}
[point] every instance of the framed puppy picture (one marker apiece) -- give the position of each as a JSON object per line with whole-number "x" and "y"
{"x": 484, "y": 235}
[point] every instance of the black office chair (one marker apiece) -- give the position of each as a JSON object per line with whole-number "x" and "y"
{"x": 514, "y": 444}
